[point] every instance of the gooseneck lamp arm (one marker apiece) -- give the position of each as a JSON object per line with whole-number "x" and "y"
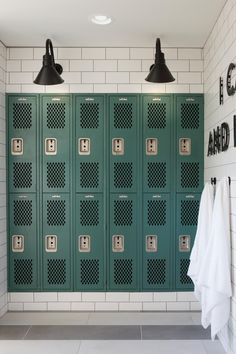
{"x": 159, "y": 72}
{"x": 50, "y": 71}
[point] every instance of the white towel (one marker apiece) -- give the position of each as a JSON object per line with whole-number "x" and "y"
{"x": 214, "y": 276}
{"x": 202, "y": 236}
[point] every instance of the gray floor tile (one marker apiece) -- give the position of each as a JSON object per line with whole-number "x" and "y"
{"x": 84, "y": 333}
{"x": 13, "y": 332}
{"x": 39, "y": 347}
{"x": 174, "y": 332}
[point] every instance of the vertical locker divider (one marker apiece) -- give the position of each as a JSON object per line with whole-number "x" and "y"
{"x": 22, "y": 112}
{"x": 173, "y": 196}
{"x": 73, "y": 186}
{"x": 157, "y": 113}
{"x": 56, "y": 191}
{"x": 189, "y": 181}
{"x": 124, "y": 182}
{"x": 90, "y": 191}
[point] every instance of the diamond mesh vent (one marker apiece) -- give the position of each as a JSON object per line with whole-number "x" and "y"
{"x": 123, "y": 271}
{"x": 22, "y": 115}
{"x": 123, "y": 174}
{"x": 184, "y": 278}
{"x": 56, "y": 115}
{"x": 56, "y": 270}
{"x": 56, "y": 212}
{"x": 22, "y": 211}
{"x": 89, "y": 174}
{"x": 190, "y": 174}
{"x": 89, "y": 115}
{"x": 156, "y": 115}
{"x": 123, "y": 115}
{"x": 189, "y": 212}
{"x": 156, "y": 212}
{"x": 190, "y": 115}
{"x": 89, "y": 270}
{"x": 89, "y": 212}
{"x": 156, "y": 174}
{"x": 23, "y": 271}
{"x": 56, "y": 175}
{"x": 123, "y": 212}
{"x": 156, "y": 271}
{"x": 22, "y": 174}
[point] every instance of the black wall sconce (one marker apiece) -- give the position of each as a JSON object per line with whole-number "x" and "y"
{"x": 50, "y": 72}
{"x": 159, "y": 71}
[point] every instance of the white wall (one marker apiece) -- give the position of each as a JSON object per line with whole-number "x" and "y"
{"x": 104, "y": 70}
{"x": 3, "y": 249}
{"x": 219, "y": 52}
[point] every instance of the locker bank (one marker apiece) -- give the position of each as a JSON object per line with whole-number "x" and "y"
{"x": 117, "y": 178}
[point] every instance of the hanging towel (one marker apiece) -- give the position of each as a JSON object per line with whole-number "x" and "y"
{"x": 202, "y": 236}
{"x": 214, "y": 276}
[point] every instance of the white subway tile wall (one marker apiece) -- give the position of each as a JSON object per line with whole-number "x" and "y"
{"x": 3, "y": 240}
{"x": 102, "y": 301}
{"x": 103, "y": 70}
{"x": 108, "y": 70}
{"x": 219, "y": 51}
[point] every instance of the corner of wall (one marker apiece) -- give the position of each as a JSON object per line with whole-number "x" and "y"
{"x": 3, "y": 240}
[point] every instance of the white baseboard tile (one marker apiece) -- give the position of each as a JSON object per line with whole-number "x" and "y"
{"x": 15, "y": 306}
{"x": 154, "y": 306}
{"x": 106, "y": 306}
{"x": 59, "y": 306}
{"x": 130, "y": 306}
{"x": 35, "y": 306}
{"x": 83, "y": 306}
{"x": 178, "y": 306}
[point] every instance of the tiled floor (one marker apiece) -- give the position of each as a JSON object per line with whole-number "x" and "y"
{"x": 105, "y": 333}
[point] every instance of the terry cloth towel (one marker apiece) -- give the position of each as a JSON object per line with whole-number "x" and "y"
{"x": 202, "y": 236}
{"x": 214, "y": 277}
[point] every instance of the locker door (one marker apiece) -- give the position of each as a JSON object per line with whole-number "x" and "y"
{"x": 56, "y": 242}
{"x": 123, "y": 118}
{"x": 156, "y": 118}
{"x": 56, "y": 143}
{"x": 187, "y": 215}
{"x": 22, "y": 243}
{"x": 156, "y": 242}
{"x": 22, "y": 140}
{"x": 189, "y": 143}
{"x": 89, "y": 143}
{"x": 123, "y": 243}
{"x": 90, "y": 243}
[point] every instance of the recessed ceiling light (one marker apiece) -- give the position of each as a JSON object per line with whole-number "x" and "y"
{"x": 101, "y": 19}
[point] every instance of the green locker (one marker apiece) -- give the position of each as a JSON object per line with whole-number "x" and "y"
{"x": 190, "y": 144}
{"x": 56, "y": 242}
{"x": 123, "y": 243}
{"x": 156, "y": 242}
{"x": 22, "y": 243}
{"x": 186, "y": 223}
{"x": 56, "y": 120}
{"x": 89, "y": 243}
{"x": 89, "y": 143}
{"x": 123, "y": 147}
{"x": 22, "y": 140}
{"x": 157, "y": 142}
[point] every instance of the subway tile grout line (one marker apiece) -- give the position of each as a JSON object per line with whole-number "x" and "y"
{"x": 26, "y": 333}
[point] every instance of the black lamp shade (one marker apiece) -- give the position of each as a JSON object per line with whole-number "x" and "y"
{"x": 159, "y": 72}
{"x": 50, "y": 72}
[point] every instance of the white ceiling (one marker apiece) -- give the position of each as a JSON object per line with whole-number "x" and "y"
{"x": 137, "y": 23}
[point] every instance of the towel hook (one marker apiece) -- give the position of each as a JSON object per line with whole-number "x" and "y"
{"x": 213, "y": 180}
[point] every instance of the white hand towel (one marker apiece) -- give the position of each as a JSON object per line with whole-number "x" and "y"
{"x": 202, "y": 236}
{"x": 214, "y": 276}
